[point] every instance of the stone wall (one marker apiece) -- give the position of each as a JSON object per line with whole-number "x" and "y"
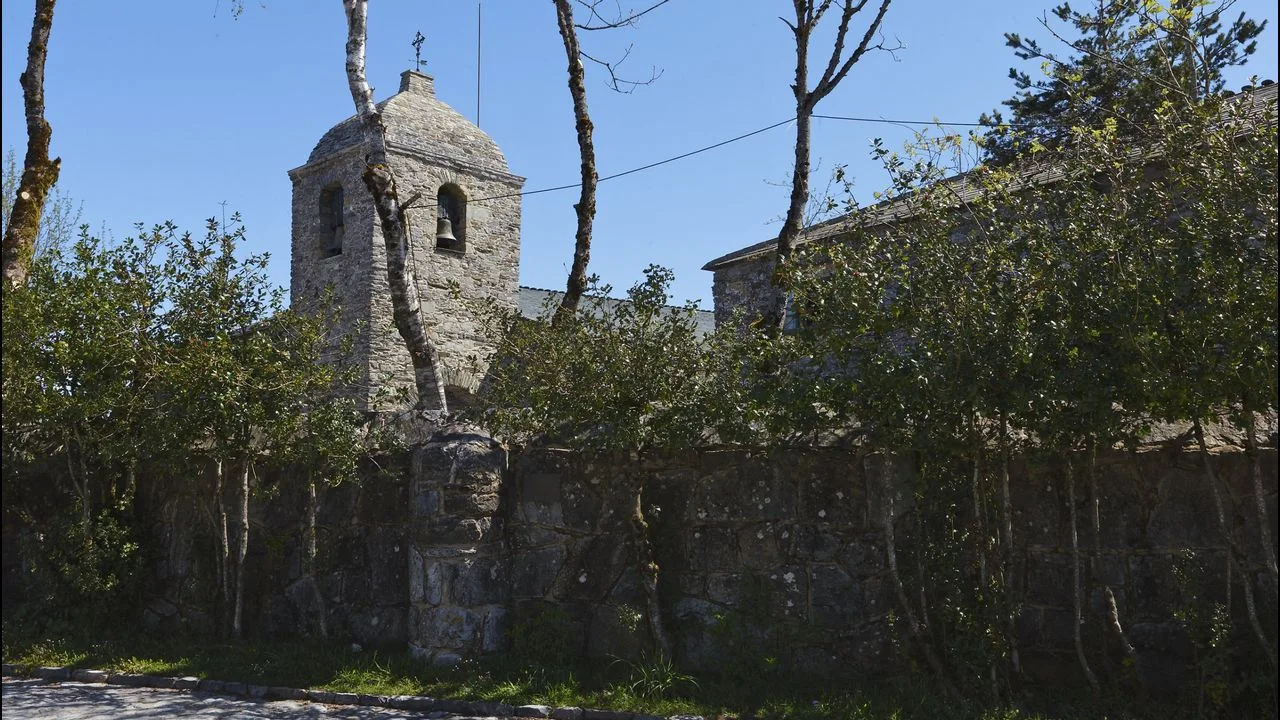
{"x": 744, "y": 287}
{"x": 791, "y": 541}
{"x": 445, "y": 549}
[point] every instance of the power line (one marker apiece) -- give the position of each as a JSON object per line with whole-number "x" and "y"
{"x": 914, "y": 122}
{"x": 726, "y": 142}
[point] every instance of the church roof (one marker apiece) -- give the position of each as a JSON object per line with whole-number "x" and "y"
{"x": 1260, "y": 102}
{"x": 419, "y": 122}
{"x": 535, "y": 302}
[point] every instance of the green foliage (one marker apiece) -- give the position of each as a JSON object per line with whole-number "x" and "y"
{"x": 655, "y": 676}
{"x": 1118, "y": 63}
{"x": 617, "y": 375}
{"x": 78, "y": 574}
{"x": 149, "y": 356}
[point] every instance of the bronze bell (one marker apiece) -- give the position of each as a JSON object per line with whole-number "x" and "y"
{"x": 444, "y": 233}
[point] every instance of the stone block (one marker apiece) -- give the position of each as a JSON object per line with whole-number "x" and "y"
{"x": 445, "y": 627}
{"x": 491, "y": 708}
{"x": 590, "y": 714}
{"x": 540, "y": 498}
{"x": 52, "y": 673}
{"x": 235, "y": 688}
{"x": 832, "y": 493}
{"x": 257, "y": 692}
{"x": 533, "y": 711}
{"x": 132, "y": 680}
{"x": 465, "y": 503}
{"x": 419, "y": 703}
{"x": 1048, "y": 580}
{"x": 837, "y": 600}
{"x": 534, "y": 571}
{"x": 581, "y": 507}
{"x": 280, "y": 692}
{"x": 761, "y": 545}
{"x": 373, "y": 700}
{"x": 343, "y": 698}
{"x": 88, "y": 676}
{"x": 812, "y": 541}
{"x": 711, "y": 549}
{"x": 187, "y": 682}
{"x": 493, "y": 632}
{"x": 567, "y": 713}
{"x": 211, "y": 686}
{"x": 426, "y": 503}
{"x": 478, "y": 581}
{"x": 449, "y": 530}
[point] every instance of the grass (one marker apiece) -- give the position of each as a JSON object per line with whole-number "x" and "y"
{"x": 639, "y": 686}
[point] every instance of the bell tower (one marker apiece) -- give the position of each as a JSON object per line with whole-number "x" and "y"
{"x": 464, "y": 221}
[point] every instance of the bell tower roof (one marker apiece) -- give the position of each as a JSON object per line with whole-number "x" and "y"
{"x": 419, "y": 123}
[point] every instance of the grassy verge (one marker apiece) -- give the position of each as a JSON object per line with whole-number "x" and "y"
{"x": 637, "y": 686}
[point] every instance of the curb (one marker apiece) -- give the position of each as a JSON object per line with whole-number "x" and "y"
{"x": 419, "y": 703}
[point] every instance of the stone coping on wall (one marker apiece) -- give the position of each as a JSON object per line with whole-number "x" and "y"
{"x": 419, "y": 703}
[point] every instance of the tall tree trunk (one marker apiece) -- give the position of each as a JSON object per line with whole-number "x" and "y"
{"x": 39, "y": 173}
{"x": 586, "y": 205}
{"x": 406, "y": 310}
{"x": 1234, "y": 553}
{"x": 648, "y": 566}
{"x": 1095, "y": 562}
{"x": 1260, "y": 499}
{"x": 808, "y": 14}
{"x": 313, "y": 509}
{"x": 242, "y": 550}
{"x": 1006, "y": 545}
{"x": 224, "y": 544}
{"x": 913, "y": 625}
{"x": 1077, "y": 610}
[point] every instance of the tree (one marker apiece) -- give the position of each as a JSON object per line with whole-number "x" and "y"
{"x": 643, "y": 362}
{"x": 39, "y": 173}
{"x": 59, "y": 218}
{"x": 585, "y": 208}
{"x": 378, "y": 178}
{"x": 808, "y": 15}
{"x": 1124, "y": 60}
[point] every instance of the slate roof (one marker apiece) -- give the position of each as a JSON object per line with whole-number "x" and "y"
{"x": 416, "y": 119}
{"x": 533, "y": 302}
{"x": 889, "y": 211}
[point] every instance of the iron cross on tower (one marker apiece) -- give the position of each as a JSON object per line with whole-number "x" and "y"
{"x": 418, "y": 39}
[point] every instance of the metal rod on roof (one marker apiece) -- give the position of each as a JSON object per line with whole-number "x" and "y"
{"x": 479, "y": 5}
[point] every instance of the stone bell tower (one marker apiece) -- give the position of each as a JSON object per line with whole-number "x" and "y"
{"x": 464, "y": 222}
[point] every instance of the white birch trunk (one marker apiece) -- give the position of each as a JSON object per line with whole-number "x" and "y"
{"x": 406, "y": 310}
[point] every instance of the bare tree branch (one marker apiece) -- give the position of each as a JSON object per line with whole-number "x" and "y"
{"x": 619, "y": 20}
{"x": 808, "y": 14}
{"x": 618, "y": 83}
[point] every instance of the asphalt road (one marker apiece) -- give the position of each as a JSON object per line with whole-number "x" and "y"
{"x": 41, "y": 700}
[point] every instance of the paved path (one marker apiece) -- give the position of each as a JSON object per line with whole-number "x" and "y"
{"x": 41, "y": 700}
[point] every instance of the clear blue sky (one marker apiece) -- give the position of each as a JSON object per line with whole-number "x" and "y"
{"x": 161, "y": 110}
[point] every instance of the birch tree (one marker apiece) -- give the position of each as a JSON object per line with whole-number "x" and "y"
{"x": 808, "y": 16}
{"x": 405, "y": 308}
{"x": 585, "y": 208}
{"x": 39, "y": 173}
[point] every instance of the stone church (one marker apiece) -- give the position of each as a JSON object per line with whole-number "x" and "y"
{"x": 464, "y": 222}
